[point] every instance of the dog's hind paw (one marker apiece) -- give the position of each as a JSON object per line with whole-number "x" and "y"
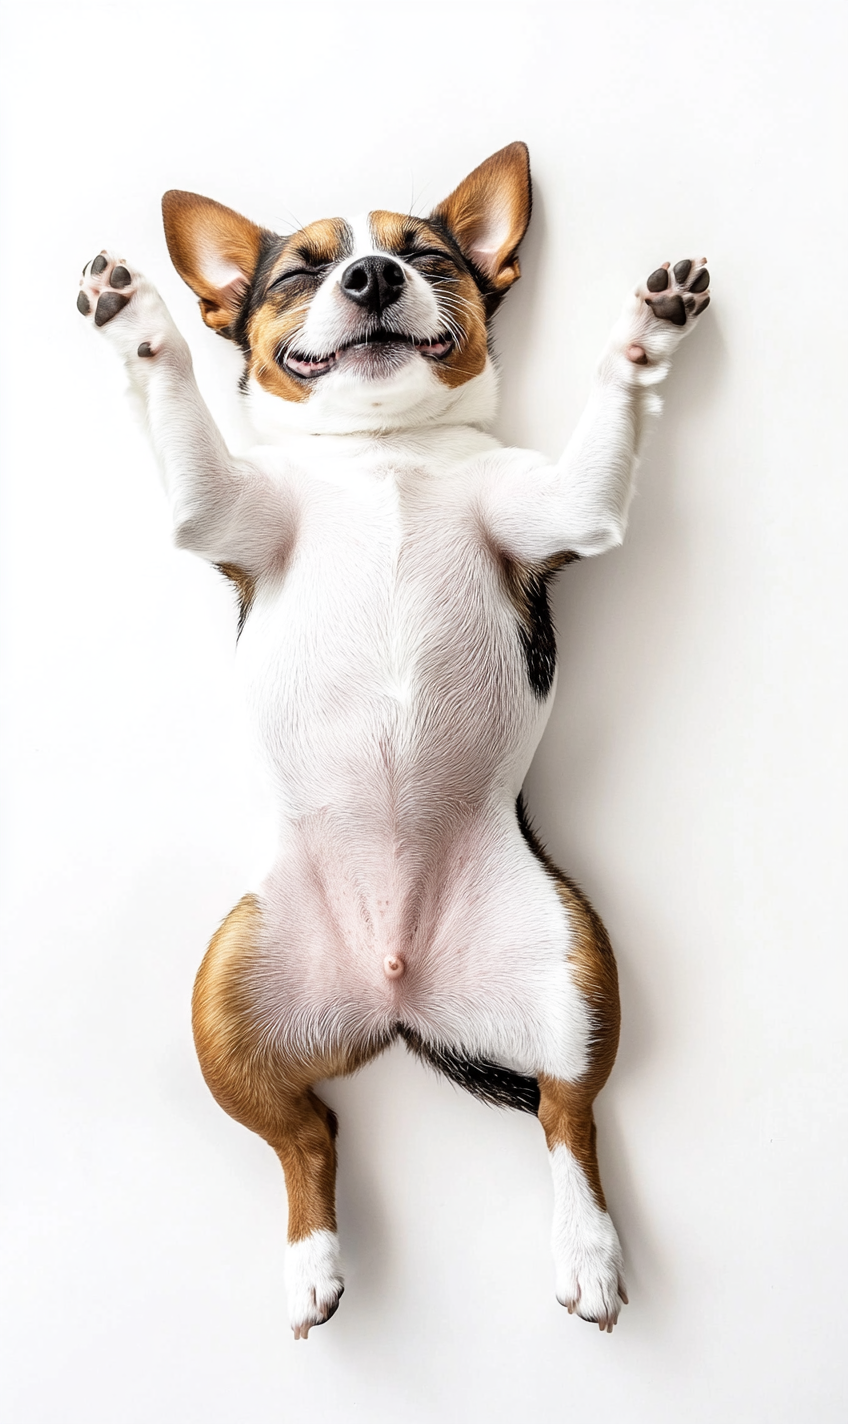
{"x": 591, "y": 1284}
{"x": 314, "y": 1284}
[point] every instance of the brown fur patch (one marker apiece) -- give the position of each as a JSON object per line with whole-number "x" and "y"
{"x": 458, "y": 295}
{"x": 565, "y": 1109}
{"x": 256, "y": 1083}
{"x": 488, "y": 215}
{"x": 205, "y": 238}
{"x": 277, "y": 316}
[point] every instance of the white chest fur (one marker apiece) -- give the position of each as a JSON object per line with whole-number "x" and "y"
{"x": 382, "y": 657}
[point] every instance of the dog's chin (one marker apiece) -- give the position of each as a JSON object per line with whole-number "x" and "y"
{"x": 344, "y": 403}
{"x": 370, "y": 360}
{"x": 376, "y": 363}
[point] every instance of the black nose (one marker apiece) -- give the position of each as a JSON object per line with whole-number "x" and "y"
{"x": 373, "y": 282}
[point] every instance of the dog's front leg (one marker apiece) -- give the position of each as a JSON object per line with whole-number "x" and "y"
{"x": 580, "y": 505}
{"x": 224, "y": 508}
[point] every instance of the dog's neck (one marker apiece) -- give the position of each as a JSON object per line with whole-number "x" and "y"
{"x": 436, "y": 445}
{"x": 415, "y": 408}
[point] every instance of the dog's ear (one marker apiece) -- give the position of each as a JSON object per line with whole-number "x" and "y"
{"x": 215, "y": 250}
{"x": 488, "y": 214}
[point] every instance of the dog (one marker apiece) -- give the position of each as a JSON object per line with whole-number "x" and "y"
{"x": 392, "y": 563}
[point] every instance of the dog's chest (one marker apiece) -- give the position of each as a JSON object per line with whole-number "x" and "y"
{"x": 387, "y": 652}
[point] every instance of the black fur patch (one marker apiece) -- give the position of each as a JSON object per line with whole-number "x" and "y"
{"x": 245, "y": 587}
{"x": 531, "y": 836}
{"x": 489, "y": 1082}
{"x": 528, "y": 586}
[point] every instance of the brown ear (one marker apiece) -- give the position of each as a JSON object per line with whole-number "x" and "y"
{"x": 215, "y": 250}
{"x": 488, "y": 214}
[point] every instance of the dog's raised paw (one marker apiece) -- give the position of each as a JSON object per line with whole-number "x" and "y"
{"x": 680, "y": 293}
{"x": 106, "y": 287}
{"x": 664, "y": 309}
{"x": 126, "y": 308}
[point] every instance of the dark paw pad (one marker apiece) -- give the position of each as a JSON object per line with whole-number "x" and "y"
{"x": 83, "y": 304}
{"x": 680, "y": 287}
{"x": 108, "y": 305}
{"x": 666, "y": 308}
{"x": 99, "y": 265}
{"x": 120, "y": 277}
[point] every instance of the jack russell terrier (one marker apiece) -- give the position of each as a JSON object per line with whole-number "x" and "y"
{"x": 392, "y": 562}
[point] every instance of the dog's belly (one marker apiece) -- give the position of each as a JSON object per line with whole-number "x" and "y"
{"x": 477, "y": 924}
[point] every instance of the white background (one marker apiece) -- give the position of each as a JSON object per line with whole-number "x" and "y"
{"x": 690, "y": 777}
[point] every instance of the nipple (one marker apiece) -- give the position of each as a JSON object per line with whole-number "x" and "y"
{"x": 393, "y": 966}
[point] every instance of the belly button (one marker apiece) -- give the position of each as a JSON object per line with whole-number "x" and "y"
{"x": 393, "y": 966}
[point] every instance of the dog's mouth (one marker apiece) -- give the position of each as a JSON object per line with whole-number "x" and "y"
{"x": 434, "y": 348}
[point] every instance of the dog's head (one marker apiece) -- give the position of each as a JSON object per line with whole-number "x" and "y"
{"x": 371, "y": 324}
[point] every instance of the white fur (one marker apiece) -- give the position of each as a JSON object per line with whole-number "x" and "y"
{"x": 587, "y": 1255}
{"x": 384, "y": 670}
{"x": 313, "y": 1280}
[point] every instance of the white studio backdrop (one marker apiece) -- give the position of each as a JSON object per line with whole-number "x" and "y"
{"x": 690, "y": 777}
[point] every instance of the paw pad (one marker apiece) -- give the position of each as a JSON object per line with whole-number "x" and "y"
{"x": 108, "y": 305}
{"x": 678, "y": 293}
{"x": 106, "y": 287}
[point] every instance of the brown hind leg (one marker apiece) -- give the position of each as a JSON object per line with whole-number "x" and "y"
{"x": 587, "y": 1254}
{"x": 269, "y": 1090}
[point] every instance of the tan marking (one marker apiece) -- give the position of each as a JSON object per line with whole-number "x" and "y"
{"x": 459, "y": 298}
{"x": 565, "y": 1108}
{"x": 215, "y": 251}
{"x": 256, "y": 1083}
{"x": 282, "y": 314}
{"x": 322, "y": 241}
{"x": 488, "y": 215}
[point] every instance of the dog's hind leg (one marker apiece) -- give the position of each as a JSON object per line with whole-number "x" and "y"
{"x": 268, "y": 1088}
{"x": 587, "y": 1255}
